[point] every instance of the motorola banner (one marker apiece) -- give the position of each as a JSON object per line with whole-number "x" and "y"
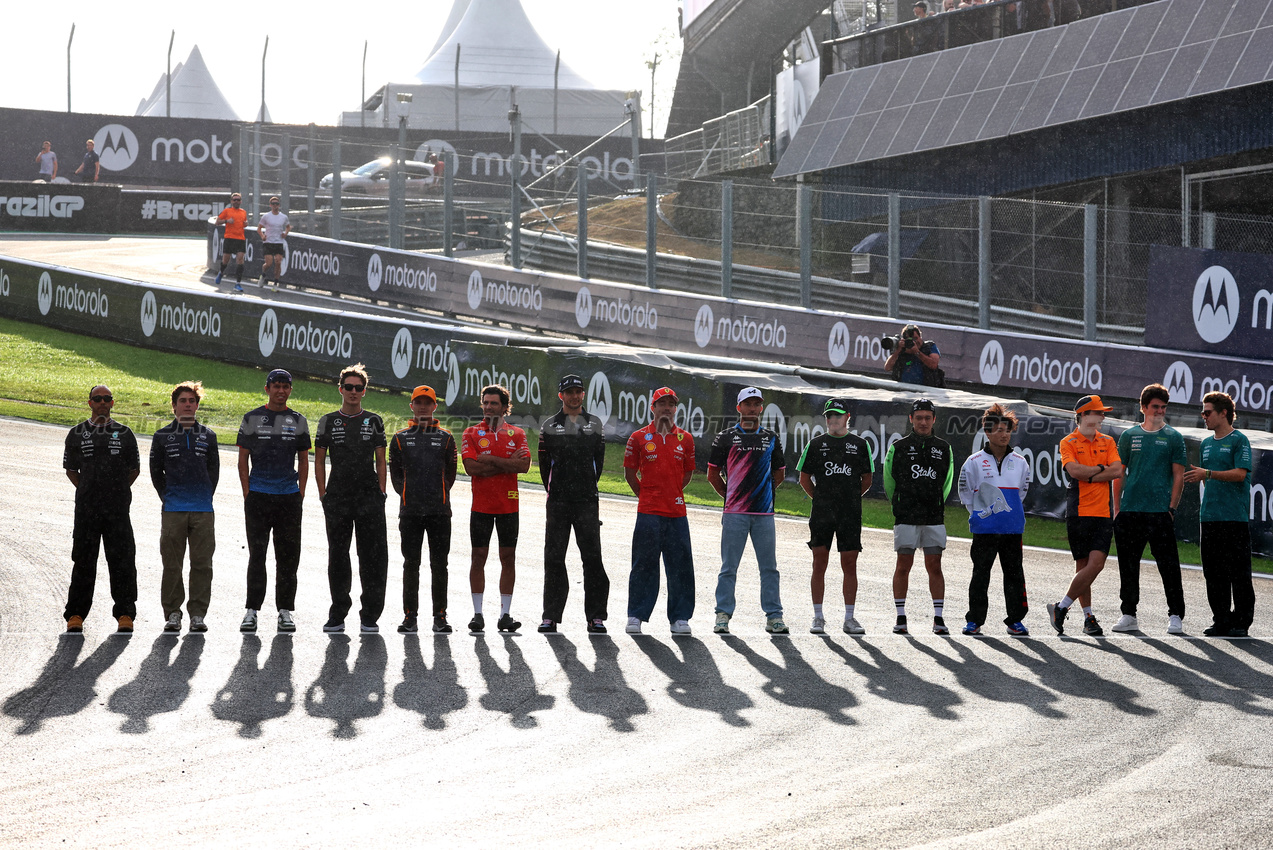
{"x": 1213, "y": 301}
{"x": 58, "y": 207}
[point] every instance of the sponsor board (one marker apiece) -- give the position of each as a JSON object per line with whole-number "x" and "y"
{"x": 1212, "y": 301}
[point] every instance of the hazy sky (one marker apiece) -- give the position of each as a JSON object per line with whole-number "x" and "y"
{"x": 314, "y": 64}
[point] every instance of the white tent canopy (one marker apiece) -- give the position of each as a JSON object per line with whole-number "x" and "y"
{"x": 194, "y": 93}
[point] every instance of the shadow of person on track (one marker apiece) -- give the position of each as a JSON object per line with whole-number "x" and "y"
{"x": 794, "y": 682}
{"x": 602, "y": 690}
{"x": 63, "y": 688}
{"x": 514, "y": 692}
{"x": 433, "y": 693}
{"x": 1220, "y": 677}
{"x": 343, "y": 695}
{"x": 890, "y": 680}
{"x": 251, "y": 696}
{"x": 160, "y": 686}
{"x": 976, "y": 675}
{"x": 694, "y": 679}
{"x": 1057, "y": 672}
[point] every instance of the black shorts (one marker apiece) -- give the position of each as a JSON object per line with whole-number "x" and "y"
{"x": 273, "y": 249}
{"x": 1089, "y": 534}
{"x": 847, "y": 531}
{"x": 481, "y": 525}
{"x": 233, "y": 246}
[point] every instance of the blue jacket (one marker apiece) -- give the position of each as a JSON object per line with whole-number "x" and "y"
{"x": 184, "y": 467}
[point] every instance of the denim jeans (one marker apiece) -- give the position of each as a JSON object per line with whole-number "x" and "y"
{"x": 670, "y": 537}
{"x": 734, "y": 531}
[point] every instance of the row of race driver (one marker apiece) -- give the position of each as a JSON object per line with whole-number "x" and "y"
{"x": 1126, "y": 491}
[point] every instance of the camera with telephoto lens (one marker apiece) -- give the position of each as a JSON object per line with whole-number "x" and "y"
{"x": 905, "y": 341}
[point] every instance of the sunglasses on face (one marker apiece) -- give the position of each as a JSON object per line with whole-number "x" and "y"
{"x": 100, "y": 399}
{"x": 352, "y": 388}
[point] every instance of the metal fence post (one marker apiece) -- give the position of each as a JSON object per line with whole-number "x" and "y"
{"x": 241, "y": 159}
{"x": 804, "y": 227}
{"x": 581, "y": 221}
{"x": 651, "y": 230}
{"x": 983, "y": 263}
{"x": 1209, "y": 231}
{"x": 894, "y": 255}
{"x": 285, "y": 175}
{"x": 1089, "y": 272}
{"x": 311, "y": 177}
{"x": 333, "y": 229}
{"x": 256, "y": 172}
{"x": 727, "y": 239}
{"x": 395, "y": 198}
{"x": 448, "y": 203}
{"x": 514, "y": 173}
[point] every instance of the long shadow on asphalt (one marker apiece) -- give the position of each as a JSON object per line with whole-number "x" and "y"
{"x": 512, "y": 692}
{"x": 1056, "y": 671}
{"x": 63, "y": 688}
{"x": 162, "y": 685}
{"x": 251, "y": 696}
{"x": 1220, "y": 678}
{"x": 795, "y": 683}
{"x": 890, "y": 680}
{"x": 978, "y": 676}
{"x": 602, "y": 690}
{"x": 343, "y": 695}
{"x": 432, "y": 693}
{"x": 694, "y": 679}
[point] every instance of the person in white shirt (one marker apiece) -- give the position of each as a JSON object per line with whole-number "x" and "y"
{"x": 273, "y": 229}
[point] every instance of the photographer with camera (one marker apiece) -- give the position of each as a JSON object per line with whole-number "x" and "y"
{"x": 913, "y": 360}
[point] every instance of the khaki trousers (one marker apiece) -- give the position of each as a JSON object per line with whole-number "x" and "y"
{"x": 176, "y": 528}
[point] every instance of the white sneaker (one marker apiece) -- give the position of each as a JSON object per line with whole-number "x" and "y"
{"x": 285, "y": 621}
{"x": 249, "y": 621}
{"x": 634, "y": 626}
{"x": 819, "y": 626}
{"x": 174, "y": 622}
{"x": 1175, "y": 626}
{"x": 681, "y": 627}
{"x": 1127, "y": 623}
{"x": 197, "y": 624}
{"x": 852, "y": 627}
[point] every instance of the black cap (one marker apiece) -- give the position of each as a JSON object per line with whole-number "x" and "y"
{"x": 570, "y": 382}
{"x": 278, "y": 376}
{"x": 923, "y": 404}
{"x": 835, "y": 405}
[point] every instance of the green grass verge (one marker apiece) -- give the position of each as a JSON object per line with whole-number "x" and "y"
{"x": 46, "y": 375}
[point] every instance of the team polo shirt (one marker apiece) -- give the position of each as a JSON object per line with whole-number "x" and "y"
{"x": 351, "y": 442}
{"x": 273, "y": 439}
{"x": 1086, "y": 499}
{"x": 105, "y": 457}
{"x": 749, "y": 460}
{"x": 1148, "y": 456}
{"x": 494, "y": 494}
{"x": 661, "y": 461}
{"x": 234, "y": 222}
{"x": 1226, "y": 501}
{"x": 836, "y": 465}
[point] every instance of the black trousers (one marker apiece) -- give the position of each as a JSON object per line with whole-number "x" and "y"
{"x": 412, "y": 529}
{"x": 363, "y": 516}
{"x": 1226, "y": 565}
{"x": 985, "y": 547}
{"x": 265, "y": 513}
{"x": 585, "y": 519}
{"x": 1132, "y": 531}
{"x": 95, "y": 530}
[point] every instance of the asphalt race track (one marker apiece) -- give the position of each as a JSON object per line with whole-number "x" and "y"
{"x": 570, "y": 740}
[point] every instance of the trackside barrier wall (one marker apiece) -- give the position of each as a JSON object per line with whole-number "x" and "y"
{"x": 403, "y": 354}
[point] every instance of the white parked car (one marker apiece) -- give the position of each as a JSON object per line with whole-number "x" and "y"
{"x": 373, "y": 178}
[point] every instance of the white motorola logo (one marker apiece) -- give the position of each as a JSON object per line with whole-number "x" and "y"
{"x": 287, "y": 255}
{"x": 452, "y": 380}
{"x": 149, "y": 313}
{"x": 583, "y": 307}
{"x": 978, "y": 442}
{"x": 441, "y": 147}
{"x": 400, "y": 353}
{"x": 475, "y": 289}
{"x": 703, "y": 325}
{"x": 45, "y": 293}
{"x": 267, "y": 332}
{"x": 1179, "y": 382}
{"x": 838, "y": 344}
{"x": 375, "y": 268}
{"x": 991, "y": 363}
{"x": 775, "y": 421}
{"x": 1215, "y": 304}
{"x": 116, "y": 147}
{"x": 600, "y": 402}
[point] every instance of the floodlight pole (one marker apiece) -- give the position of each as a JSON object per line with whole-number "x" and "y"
{"x": 362, "y": 103}
{"x": 68, "y": 68}
{"x": 514, "y": 173}
{"x": 168, "y": 76}
{"x": 261, "y": 117}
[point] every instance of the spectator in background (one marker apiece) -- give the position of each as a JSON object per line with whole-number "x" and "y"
{"x": 948, "y": 5}
{"x": 914, "y": 361}
{"x": 47, "y": 161}
{"x": 921, "y": 10}
{"x": 91, "y": 168}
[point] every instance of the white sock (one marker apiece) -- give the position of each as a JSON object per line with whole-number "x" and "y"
{"x": 901, "y": 607}
{"x": 848, "y": 612}
{"x": 1065, "y": 603}
{"x": 505, "y": 603}
{"x": 477, "y": 603}
{"x": 1087, "y": 612}
{"x": 938, "y": 605}
{"x": 817, "y": 610}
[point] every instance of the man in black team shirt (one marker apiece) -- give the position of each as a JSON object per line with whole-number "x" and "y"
{"x": 422, "y": 464}
{"x": 572, "y": 450}
{"x": 353, "y": 501}
{"x": 101, "y": 460}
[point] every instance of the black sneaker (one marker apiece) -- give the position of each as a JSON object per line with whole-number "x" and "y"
{"x": 334, "y": 626}
{"x": 1056, "y": 615}
{"x": 939, "y": 626}
{"x": 1216, "y": 630}
{"x": 547, "y": 627}
{"x": 440, "y": 625}
{"x": 596, "y": 627}
{"x": 900, "y": 628}
{"x": 508, "y": 624}
{"x": 1238, "y": 631}
{"x": 1091, "y": 627}
{"x": 477, "y": 624}
{"x": 410, "y": 625}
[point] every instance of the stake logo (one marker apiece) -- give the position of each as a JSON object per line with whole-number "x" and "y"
{"x": 475, "y": 289}
{"x": 703, "y": 325}
{"x": 117, "y": 146}
{"x": 452, "y": 379}
{"x": 990, "y": 366}
{"x": 44, "y": 294}
{"x": 838, "y": 344}
{"x": 583, "y": 307}
{"x": 375, "y": 268}
{"x": 400, "y": 353}
{"x": 1215, "y": 304}
{"x": 267, "y": 332}
{"x": 149, "y": 313}
{"x": 599, "y": 401}
{"x": 1179, "y": 382}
